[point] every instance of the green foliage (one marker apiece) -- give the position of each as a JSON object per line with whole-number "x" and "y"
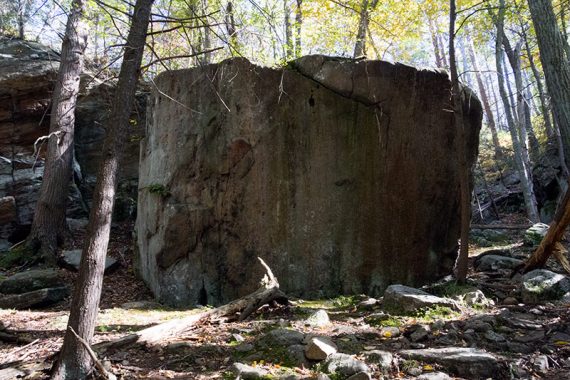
{"x": 438, "y": 312}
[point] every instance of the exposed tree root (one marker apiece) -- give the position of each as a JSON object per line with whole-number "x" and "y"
{"x": 239, "y": 309}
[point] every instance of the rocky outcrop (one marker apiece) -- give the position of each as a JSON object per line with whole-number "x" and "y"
{"x": 27, "y": 75}
{"x": 341, "y": 175}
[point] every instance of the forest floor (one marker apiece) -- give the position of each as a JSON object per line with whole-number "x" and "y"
{"x": 528, "y": 341}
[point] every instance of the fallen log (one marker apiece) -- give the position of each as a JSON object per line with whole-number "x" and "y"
{"x": 238, "y": 309}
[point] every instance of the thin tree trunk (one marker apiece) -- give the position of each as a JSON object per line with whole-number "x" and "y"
{"x": 437, "y": 52}
{"x": 21, "y": 21}
{"x": 365, "y": 9}
{"x": 298, "y": 25}
{"x": 288, "y": 33}
{"x": 556, "y": 66}
{"x": 462, "y": 258}
{"x": 74, "y": 361}
{"x": 49, "y": 222}
{"x": 231, "y": 24}
{"x": 207, "y": 39}
{"x": 485, "y": 101}
{"x": 442, "y": 50}
{"x": 524, "y": 172}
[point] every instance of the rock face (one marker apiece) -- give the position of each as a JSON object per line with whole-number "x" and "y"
{"x": 341, "y": 175}
{"x": 27, "y": 75}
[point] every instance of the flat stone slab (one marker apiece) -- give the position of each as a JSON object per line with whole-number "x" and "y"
{"x": 71, "y": 260}
{"x": 36, "y": 299}
{"x": 404, "y": 299}
{"x": 470, "y": 363}
{"x": 345, "y": 364}
{"x": 31, "y": 280}
{"x": 494, "y": 262}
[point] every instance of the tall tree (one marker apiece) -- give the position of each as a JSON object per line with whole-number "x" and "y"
{"x": 298, "y": 25}
{"x": 288, "y": 33}
{"x": 556, "y": 65}
{"x": 521, "y": 163}
{"x": 462, "y": 259}
{"x": 485, "y": 100}
{"x": 366, "y": 7}
{"x": 49, "y": 222}
{"x": 74, "y": 361}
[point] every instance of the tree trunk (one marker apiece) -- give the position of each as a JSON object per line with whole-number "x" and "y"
{"x": 231, "y": 25}
{"x": 49, "y": 223}
{"x": 437, "y": 52}
{"x": 74, "y": 361}
{"x": 298, "y": 24}
{"x": 365, "y": 8}
{"x": 462, "y": 258}
{"x": 485, "y": 101}
{"x": 21, "y": 22}
{"x": 550, "y": 242}
{"x": 556, "y": 66}
{"x": 524, "y": 171}
{"x": 288, "y": 33}
{"x": 207, "y": 38}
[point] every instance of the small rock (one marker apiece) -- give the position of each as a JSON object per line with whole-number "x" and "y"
{"x": 403, "y": 299}
{"x": 71, "y": 260}
{"x": 384, "y": 359}
{"x": 244, "y": 347}
{"x": 178, "y": 346}
{"x": 510, "y": 301}
{"x": 470, "y": 363}
{"x": 478, "y": 325}
{"x": 345, "y": 364}
{"x": 318, "y": 319}
{"x": 543, "y": 285}
{"x": 477, "y": 298}
{"x": 323, "y": 376}
{"x": 296, "y": 353}
{"x": 494, "y": 337}
{"x": 360, "y": 376}
{"x": 414, "y": 371}
{"x": 368, "y": 303}
{"x": 390, "y": 332}
{"x": 434, "y": 376}
{"x": 247, "y": 372}
{"x": 319, "y": 348}
{"x": 284, "y": 337}
{"x": 238, "y": 338}
{"x": 419, "y": 333}
{"x": 540, "y": 363}
{"x": 535, "y": 234}
{"x": 494, "y": 262}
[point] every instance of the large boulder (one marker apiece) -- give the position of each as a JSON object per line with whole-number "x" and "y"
{"x": 341, "y": 175}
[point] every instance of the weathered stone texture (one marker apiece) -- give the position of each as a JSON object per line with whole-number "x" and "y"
{"x": 341, "y": 175}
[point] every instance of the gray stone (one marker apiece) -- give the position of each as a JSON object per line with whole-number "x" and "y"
{"x": 71, "y": 260}
{"x": 35, "y": 299}
{"x": 419, "y": 333}
{"x": 390, "y": 332}
{"x": 12, "y": 373}
{"x": 543, "y": 285}
{"x": 434, "y": 376}
{"x": 384, "y": 359}
{"x": 465, "y": 362}
{"x": 323, "y": 376}
{"x": 28, "y": 281}
{"x": 477, "y": 298}
{"x": 495, "y": 262}
{"x": 277, "y": 174}
{"x": 319, "y": 348}
{"x": 360, "y": 376}
{"x": 296, "y": 353}
{"x": 535, "y": 234}
{"x": 318, "y": 319}
{"x": 540, "y": 363}
{"x": 284, "y": 337}
{"x": 368, "y": 303}
{"x": 404, "y": 299}
{"x": 510, "y": 301}
{"x": 244, "y": 347}
{"x": 247, "y": 372}
{"x": 345, "y": 364}
{"x": 492, "y": 336}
